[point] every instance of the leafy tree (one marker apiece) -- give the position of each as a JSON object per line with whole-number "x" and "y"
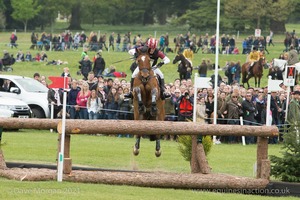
{"x": 2, "y": 15}
{"x": 287, "y": 167}
{"x": 273, "y": 12}
{"x": 185, "y": 146}
{"x": 279, "y": 13}
{"x": 25, "y": 10}
{"x": 202, "y": 15}
{"x": 47, "y": 16}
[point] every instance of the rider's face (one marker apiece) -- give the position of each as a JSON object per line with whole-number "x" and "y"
{"x": 152, "y": 51}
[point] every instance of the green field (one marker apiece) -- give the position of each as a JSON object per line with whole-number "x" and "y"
{"x": 115, "y": 153}
{"x": 110, "y": 152}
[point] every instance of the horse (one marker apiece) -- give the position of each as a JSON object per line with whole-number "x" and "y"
{"x": 147, "y": 101}
{"x": 277, "y": 68}
{"x": 184, "y": 67}
{"x": 257, "y": 72}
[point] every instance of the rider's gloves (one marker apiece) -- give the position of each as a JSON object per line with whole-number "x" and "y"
{"x": 160, "y": 64}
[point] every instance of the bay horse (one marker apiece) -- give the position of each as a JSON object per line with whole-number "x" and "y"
{"x": 147, "y": 102}
{"x": 257, "y": 72}
{"x": 184, "y": 67}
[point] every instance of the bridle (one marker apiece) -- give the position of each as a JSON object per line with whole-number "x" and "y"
{"x": 144, "y": 69}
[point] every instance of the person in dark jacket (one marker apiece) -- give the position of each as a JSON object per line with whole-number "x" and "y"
{"x": 55, "y": 97}
{"x": 85, "y": 66}
{"x": 99, "y": 64}
{"x": 249, "y": 112}
{"x": 202, "y": 70}
{"x": 72, "y": 95}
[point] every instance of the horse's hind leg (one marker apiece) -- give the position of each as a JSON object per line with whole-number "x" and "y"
{"x": 157, "y": 147}
{"x": 136, "y": 148}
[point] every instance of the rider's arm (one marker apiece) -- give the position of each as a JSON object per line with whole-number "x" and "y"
{"x": 132, "y": 52}
{"x": 165, "y": 59}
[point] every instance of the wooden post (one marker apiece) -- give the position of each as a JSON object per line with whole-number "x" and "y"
{"x": 2, "y": 160}
{"x": 265, "y": 169}
{"x": 67, "y": 160}
{"x": 195, "y": 168}
{"x": 262, "y": 154}
{"x": 199, "y": 162}
{"x": 201, "y": 159}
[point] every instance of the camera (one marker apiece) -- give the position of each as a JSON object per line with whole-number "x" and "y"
{"x": 186, "y": 94}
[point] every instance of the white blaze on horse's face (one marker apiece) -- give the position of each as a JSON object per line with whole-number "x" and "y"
{"x": 143, "y": 58}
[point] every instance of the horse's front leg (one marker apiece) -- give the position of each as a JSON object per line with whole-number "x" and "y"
{"x": 255, "y": 81}
{"x": 136, "y": 148}
{"x": 157, "y": 147}
{"x": 142, "y": 108}
{"x": 154, "y": 92}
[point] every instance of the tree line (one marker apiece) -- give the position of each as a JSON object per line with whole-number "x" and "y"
{"x": 197, "y": 14}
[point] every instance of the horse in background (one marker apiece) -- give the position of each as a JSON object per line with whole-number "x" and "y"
{"x": 256, "y": 72}
{"x": 147, "y": 102}
{"x": 184, "y": 67}
{"x": 277, "y": 68}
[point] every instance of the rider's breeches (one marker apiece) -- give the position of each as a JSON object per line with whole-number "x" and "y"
{"x": 156, "y": 71}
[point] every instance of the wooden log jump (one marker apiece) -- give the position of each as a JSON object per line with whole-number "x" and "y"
{"x": 153, "y": 128}
{"x": 29, "y": 123}
{"x": 138, "y": 127}
{"x": 163, "y": 128}
{"x": 142, "y": 179}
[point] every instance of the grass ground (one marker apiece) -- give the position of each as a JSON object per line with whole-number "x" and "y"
{"x": 36, "y": 146}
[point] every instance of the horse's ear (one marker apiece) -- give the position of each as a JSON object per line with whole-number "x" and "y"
{"x": 137, "y": 50}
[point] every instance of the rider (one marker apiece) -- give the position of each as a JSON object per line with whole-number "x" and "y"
{"x": 253, "y": 57}
{"x": 189, "y": 54}
{"x": 154, "y": 53}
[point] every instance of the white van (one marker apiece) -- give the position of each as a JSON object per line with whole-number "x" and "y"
{"x": 28, "y": 90}
{"x": 6, "y": 113}
{"x": 18, "y": 108}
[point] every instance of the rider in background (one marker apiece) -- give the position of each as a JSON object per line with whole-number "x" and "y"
{"x": 253, "y": 57}
{"x": 189, "y": 54}
{"x": 155, "y": 54}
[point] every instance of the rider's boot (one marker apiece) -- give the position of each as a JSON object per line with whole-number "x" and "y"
{"x": 162, "y": 90}
{"x": 249, "y": 70}
{"x": 130, "y": 95}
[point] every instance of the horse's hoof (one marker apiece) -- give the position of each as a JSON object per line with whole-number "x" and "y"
{"x": 142, "y": 109}
{"x": 136, "y": 151}
{"x": 157, "y": 153}
{"x": 153, "y": 112}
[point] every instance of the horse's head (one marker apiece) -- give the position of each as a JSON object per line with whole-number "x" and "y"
{"x": 143, "y": 63}
{"x": 176, "y": 59}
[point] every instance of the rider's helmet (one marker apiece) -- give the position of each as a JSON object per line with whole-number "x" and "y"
{"x": 152, "y": 43}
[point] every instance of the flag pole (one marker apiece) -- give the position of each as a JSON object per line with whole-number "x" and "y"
{"x": 216, "y": 66}
{"x": 62, "y": 141}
